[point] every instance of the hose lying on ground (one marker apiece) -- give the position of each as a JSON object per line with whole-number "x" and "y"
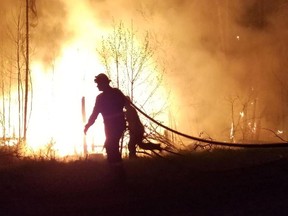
{"x": 214, "y": 142}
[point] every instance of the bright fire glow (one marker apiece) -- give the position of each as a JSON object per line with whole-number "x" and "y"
{"x": 232, "y": 131}
{"x": 58, "y": 88}
{"x": 57, "y": 110}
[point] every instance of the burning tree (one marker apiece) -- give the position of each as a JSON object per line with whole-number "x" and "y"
{"x": 245, "y": 124}
{"x": 131, "y": 63}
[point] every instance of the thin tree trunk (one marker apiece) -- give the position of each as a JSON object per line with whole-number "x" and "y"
{"x": 18, "y": 41}
{"x": 3, "y": 99}
{"x": 27, "y": 71}
{"x": 84, "y": 120}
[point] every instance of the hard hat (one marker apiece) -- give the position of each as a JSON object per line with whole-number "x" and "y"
{"x": 101, "y": 78}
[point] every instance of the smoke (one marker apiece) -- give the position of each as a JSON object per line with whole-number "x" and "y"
{"x": 221, "y": 50}
{"x": 213, "y": 51}
{"x": 50, "y": 30}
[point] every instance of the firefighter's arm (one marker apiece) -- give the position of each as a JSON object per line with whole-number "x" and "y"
{"x": 92, "y": 118}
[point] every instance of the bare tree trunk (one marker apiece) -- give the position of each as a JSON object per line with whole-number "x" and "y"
{"x": 19, "y": 82}
{"x": 9, "y": 100}
{"x": 3, "y": 114}
{"x": 27, "y": 71}
{"x": 3, "y": 101}
{"x": 84, "y": 120}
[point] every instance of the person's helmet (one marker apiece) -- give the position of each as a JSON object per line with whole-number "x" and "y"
{"x": 101, "y": 78}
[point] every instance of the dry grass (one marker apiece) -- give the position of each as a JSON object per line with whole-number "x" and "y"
{"x": 222, "y": 182}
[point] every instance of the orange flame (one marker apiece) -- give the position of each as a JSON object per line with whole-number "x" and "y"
{"x": 56, "y": 114}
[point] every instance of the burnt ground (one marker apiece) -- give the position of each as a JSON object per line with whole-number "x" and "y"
{"x": 226, "y": 183}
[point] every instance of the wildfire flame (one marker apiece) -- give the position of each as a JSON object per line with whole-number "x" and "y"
{"x": 58, "y": 88}
{"x": 57, "y": 111}
{"x": 280, "y": 131}
{"x": 56, "y": 115}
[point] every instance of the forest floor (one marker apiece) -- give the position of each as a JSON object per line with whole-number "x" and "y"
{"x": 221, "y": 182}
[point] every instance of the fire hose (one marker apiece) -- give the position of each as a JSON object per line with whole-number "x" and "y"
{"x": 214, "y": 142}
